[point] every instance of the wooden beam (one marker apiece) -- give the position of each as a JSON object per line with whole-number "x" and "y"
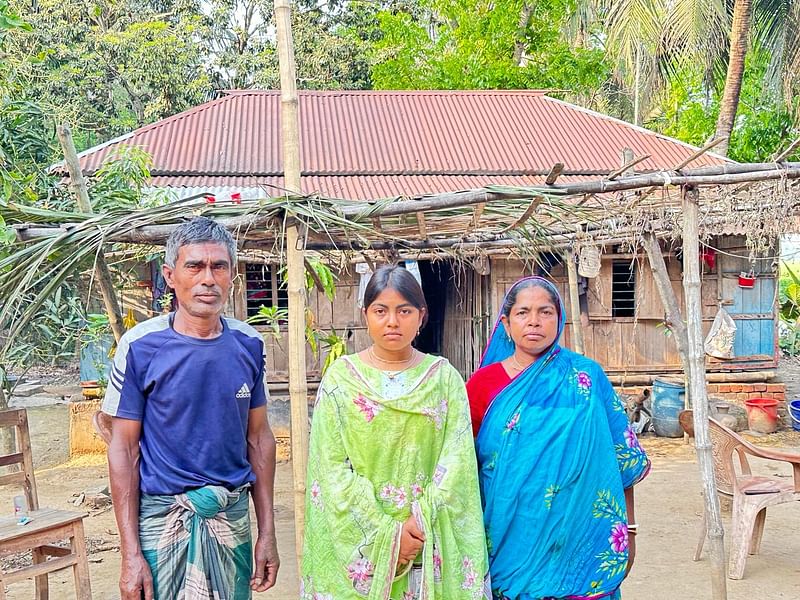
{"x": 698, "y": 393}
{"x": 718, "y": 175}
{"x": 298, "y": 385}
{"x": 722, "y": 175}
{"x": 627, "y": 166}
{"x": 649, "y": 378}
{"x": 477, "y": 212}
{"x": 672, "y": 310}
{"x": 574, "y": 303}
{"x": 423, "y": 229}
{"x": 792, "y": 147}
{"x": 554, "y": 173}
{"x": 102, "y": 272}
{"x": 695, "y": 155}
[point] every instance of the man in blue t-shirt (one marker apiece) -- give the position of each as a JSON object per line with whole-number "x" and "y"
{"x": 190, "y": 438}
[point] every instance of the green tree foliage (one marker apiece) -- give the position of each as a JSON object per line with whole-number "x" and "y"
{"x": 765, "y": 125}
{"x": 456, "y": 44}
{"x": 25, "y": 137}
{"x": 108, "y": 66}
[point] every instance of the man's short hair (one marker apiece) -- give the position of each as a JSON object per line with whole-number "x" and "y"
{"x": 199, "y": 230}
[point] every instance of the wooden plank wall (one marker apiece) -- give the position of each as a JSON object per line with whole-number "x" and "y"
{"x": 342, "y": 314}
{"x": 639, "y": 344}
{"x": 754, "y": 310}
{"x": 621, "y": 345}
{"x": 467, "y": 319}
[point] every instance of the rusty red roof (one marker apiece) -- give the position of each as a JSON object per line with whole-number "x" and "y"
{"x": 368, "y": 144}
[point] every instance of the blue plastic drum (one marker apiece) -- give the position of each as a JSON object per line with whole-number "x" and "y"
{"x": 669, "y": 399}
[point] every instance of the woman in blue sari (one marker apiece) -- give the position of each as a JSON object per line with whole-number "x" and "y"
{"x": 557, "y": 458}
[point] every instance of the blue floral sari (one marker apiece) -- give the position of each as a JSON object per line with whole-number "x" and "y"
{"x": 555, "y": 454}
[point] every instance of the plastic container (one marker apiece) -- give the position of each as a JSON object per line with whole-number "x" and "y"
{"x": 94, "y": 362}
{"x": 669, "y": 399}
{"x": 762, "y": 414}
{"x": 794, "y": 413}
{"x": 747, "y": 280}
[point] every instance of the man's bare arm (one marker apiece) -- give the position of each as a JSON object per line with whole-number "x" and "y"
{"x": 261, "y": 455}
{"x": 123, "y": 468}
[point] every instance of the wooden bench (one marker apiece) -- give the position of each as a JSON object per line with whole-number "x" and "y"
{"x": 47, "y": 526}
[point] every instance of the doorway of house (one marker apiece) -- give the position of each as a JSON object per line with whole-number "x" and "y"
{"x": 458, "y": 305}
{"x": 436, "y": 277}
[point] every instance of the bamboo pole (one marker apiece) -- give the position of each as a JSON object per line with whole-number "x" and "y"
{"x": 78, "y": 185}
{"x": 697, "y": 391}
{"x": 574, "y": 303}
{"x": 636, "y": 379}
{"x": 360, "y": 211}
{"x": 298, "y": 386}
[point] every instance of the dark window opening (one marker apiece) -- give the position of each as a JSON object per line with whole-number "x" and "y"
{"x": 264, "y": 287}
{"x": 623, "y": 289}
{"x": 545, "y": 264}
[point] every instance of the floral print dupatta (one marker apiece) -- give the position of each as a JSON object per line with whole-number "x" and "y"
{"x": 383, "y": 449}
{"x": 555, "y": 453}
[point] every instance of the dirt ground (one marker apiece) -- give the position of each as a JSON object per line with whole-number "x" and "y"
{"x": 668, "y": 504}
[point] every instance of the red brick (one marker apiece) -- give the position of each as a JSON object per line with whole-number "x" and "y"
{"x": 779, "y": 396}
{"x": 724, "y": 388}
{"x": 741, "y": 397}
{"x": 736, "y": 387}
{"x": 760, "y": 387}
{"x": 754, "y": 395}
{"x": 776, "y": 387}
{"x": 712, "y": 388}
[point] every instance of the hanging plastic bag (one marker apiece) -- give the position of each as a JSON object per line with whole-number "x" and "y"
{"x": 719, "y": 341}
{"x": 365, "y": 273}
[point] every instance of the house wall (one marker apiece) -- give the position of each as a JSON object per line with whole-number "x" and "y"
{"x": 468, "y": 319}
{"x": 640, "y": 344}
{"x": 622, "y": 345}
{"x": 342, "y": 315}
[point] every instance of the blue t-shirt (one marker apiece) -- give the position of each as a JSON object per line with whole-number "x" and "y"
{"x": 193, "y": 398}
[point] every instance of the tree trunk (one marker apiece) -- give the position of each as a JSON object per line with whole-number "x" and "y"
{"x": 674, "y": 319}
{"x": 740, "y": 31}
{"x": 295, "y": 265}
{"x": 78, "y": 185}
{"x": 522, "y": 26}
{"x": 698, "y": 393}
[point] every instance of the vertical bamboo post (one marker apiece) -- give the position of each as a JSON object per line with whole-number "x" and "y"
{"x": 697, "y": 390}
{"x": 295, "y": 265}
{"x": 78, "y": 185}
{"x": 574, "y": 303}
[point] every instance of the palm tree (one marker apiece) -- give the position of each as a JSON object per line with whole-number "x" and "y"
{"x": 740, "y": 34}
{"x": 651, "y": 40}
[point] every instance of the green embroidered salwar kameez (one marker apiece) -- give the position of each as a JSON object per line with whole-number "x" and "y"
{"x": 384, "y": 447}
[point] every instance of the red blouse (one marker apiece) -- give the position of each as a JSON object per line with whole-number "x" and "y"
{"x": 482, "y": 388}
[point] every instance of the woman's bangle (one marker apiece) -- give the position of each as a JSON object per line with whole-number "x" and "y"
{"x": 632, "y": 528}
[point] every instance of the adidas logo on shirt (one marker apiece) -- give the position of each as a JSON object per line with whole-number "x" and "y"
{"x": 244, "y": 392}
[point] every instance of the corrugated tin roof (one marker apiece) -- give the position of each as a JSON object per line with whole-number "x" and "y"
{"x": 367, "y": 144}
